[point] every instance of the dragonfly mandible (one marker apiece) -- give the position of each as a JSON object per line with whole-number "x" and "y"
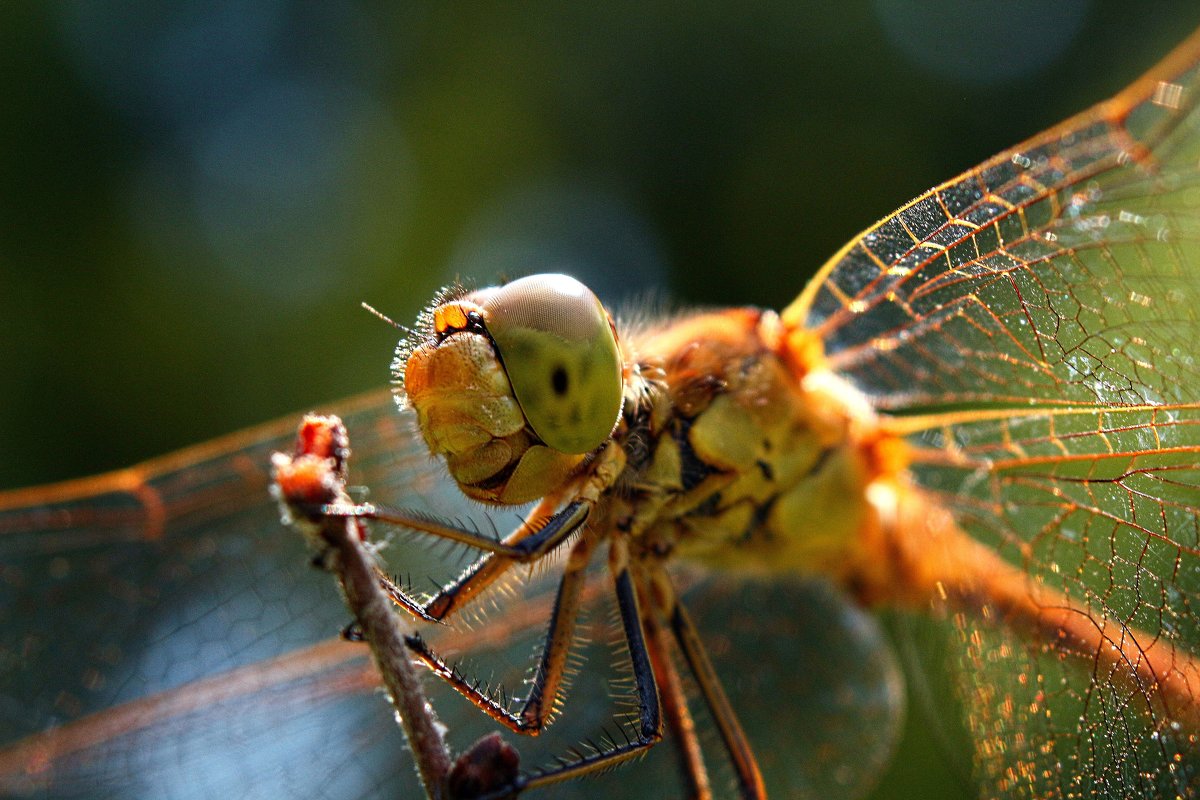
{"x": 1021, "y": 337}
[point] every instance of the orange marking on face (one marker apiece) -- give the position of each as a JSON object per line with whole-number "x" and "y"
{"x": 450, "y": 316}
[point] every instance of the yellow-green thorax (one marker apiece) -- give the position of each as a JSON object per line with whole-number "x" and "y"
{"x": 749, "y": 464}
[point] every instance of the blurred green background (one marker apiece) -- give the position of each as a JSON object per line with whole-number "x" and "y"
{"x": 196, "y": 196}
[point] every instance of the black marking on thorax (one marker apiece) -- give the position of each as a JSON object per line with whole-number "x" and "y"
{"x": 693, "y": 468}
{"x": 768, "y": 472}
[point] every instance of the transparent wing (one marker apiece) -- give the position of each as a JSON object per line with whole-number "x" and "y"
{"x": 166, "y": 627}
{"x": 814, "y": 681}
{"x": 1034, "y": 322}
{"x": 163, "y": 635}
{"x": 1062, "y": 271}
{"x": 1103, "y": 506}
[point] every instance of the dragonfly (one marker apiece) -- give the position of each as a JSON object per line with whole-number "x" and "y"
{"x": 1000, "y": 380}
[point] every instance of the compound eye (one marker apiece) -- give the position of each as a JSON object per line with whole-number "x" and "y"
{"x": 562, "y": 359}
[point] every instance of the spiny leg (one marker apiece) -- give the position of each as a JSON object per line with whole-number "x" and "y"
{"x": 520, "y": 547}
{"x": 675, "y": 706}
{"x": 531, "y": 540}
{"x": 550, "y": 672}
{"x": 475, "y": 579}
{"x": 750, "y": 782}
{"x": 537, "y": 535}
{"x": 650, "y": 725}
{"x": 544, "y": 687}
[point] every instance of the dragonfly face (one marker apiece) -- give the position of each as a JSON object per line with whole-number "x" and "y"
{"x": 1024, "y": 334}
{"x": 511, "y": 432}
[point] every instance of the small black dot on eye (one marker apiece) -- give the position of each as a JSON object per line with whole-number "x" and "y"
{"x": 558, "y": 380}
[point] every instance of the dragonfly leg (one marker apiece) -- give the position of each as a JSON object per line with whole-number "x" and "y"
{"x": 524, "y": 548}
{"x": 650, "y": 724}
{"x": 674, "y": 700}
{"x": 584, "y": 495}
{"x": 477, "y": 577}
{"x": 539, "y": 705}
{"x": 454, "y": 595}
{"x": 538, "y": 534}
{"x": 738, "y": 746}
{"x": 480, "y": 575}
{"x": 554, "y": 530}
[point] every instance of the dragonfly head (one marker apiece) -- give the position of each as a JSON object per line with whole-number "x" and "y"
{"x": 514, "y": 385}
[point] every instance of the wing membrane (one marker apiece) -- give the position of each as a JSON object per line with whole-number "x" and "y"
{"x": 168, "y": 638}
{"x": 1062, "y": 271}
{"x": 164, "y": 617}
{"x": 1033, "y": 327}
{"x": 1103, "y": 506}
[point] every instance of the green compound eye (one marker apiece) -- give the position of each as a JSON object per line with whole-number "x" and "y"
{"x": 561, "y": 357}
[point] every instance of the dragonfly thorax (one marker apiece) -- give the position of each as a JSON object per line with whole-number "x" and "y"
{"x": 755, "y": 467}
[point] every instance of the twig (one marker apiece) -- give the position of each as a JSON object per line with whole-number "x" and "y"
{"x": 315, "y": 475}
